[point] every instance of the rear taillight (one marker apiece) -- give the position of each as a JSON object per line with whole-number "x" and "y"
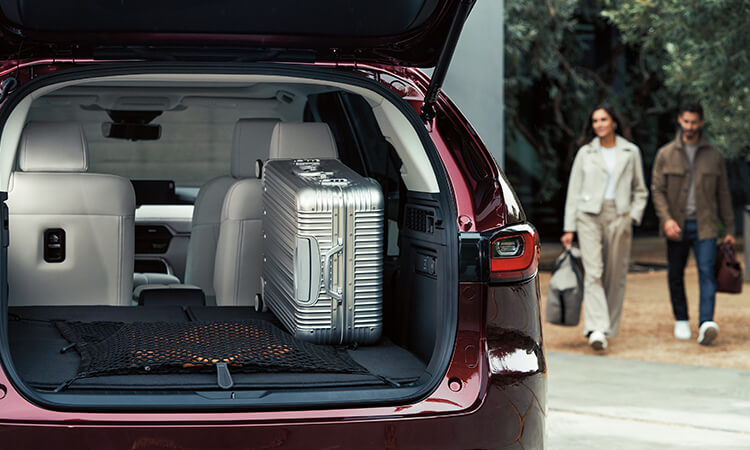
{"x": 514, "y": 256}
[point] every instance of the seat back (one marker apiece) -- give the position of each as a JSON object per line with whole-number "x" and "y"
{"x": 239, "y": 255}
{"x": 71, "y": 232}
{"x": 250, "y": 142}
{"x": 306, "y": 140}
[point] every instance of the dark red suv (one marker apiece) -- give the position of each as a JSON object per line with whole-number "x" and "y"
{"x": 133, "y": 311}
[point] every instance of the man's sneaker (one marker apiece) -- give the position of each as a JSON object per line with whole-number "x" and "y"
{"x": 682, "y": 330}
{"x": 597, "y": 340}
{"x": 708, "y": 332}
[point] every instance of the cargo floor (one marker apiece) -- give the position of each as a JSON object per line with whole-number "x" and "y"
{"x": 36, "y": 344}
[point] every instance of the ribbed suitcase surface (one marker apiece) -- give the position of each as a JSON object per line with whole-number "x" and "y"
{"x": 322, "y": 248}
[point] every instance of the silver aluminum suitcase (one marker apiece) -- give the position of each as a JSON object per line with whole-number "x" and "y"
{"x": 322, "y": 248}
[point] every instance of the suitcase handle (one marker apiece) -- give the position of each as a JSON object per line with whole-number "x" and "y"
{"x": 306, "y": 274}
{"x": 338, "y": 248}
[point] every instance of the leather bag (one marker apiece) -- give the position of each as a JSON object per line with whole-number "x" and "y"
{"x": 565, "y": 294}
{"x": 727, "y": 270}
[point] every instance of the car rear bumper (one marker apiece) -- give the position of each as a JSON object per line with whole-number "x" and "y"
{"x": 511, "y": 414}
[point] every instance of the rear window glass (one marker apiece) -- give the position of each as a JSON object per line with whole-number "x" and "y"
{"x": 189, "y": 152}
{"x": 194, "y": 146}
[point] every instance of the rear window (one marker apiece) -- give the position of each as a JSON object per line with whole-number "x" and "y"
{"x": 189, "y": 151}
{"x": 194, "y": 142}
{"x": 194, "y": 146}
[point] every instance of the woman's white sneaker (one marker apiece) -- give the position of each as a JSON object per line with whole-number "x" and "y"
{"x": 597, "y": 340}
{"x": 708, "y": 332}
{"x": 682, "y": 330}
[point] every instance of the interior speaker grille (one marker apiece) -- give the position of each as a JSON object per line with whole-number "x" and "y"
{"x": 420, "y": 220}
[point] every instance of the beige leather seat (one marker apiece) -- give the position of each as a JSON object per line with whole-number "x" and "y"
{"x": 302, "y": 141}
{"x": 239, "y": 254}
{"x": 250, "y": 142}
{"x": 71, "y": 232}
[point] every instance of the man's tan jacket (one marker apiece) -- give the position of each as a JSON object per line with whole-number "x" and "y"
{"x": 670, "y": 182}
{"x": 589, "y": 178}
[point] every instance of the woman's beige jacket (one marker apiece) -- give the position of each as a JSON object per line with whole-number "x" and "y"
{"x": 589, "y": 178}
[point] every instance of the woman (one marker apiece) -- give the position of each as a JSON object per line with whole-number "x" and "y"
{"x": 606, "y": 196}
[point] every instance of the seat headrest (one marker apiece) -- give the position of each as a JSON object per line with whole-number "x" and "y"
{"x": 53, "y": 147}
{"x": 251, "y": 142}
{"x": 302, "y": 141}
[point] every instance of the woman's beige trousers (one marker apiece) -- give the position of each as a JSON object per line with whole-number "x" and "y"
{"x": 605, "y": 240}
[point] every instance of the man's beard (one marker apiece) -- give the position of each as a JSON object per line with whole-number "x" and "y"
{"x": 690, "y": 134}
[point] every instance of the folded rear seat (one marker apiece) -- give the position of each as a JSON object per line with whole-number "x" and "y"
{"x": 71, "y": 232}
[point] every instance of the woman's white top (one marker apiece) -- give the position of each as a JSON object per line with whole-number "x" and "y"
{"x": 609, "y": 155}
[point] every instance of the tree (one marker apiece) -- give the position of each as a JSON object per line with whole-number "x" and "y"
{"x": 540, "y": 85}
{"x": 562, "y": 58}
{"x": 702, "y": 47}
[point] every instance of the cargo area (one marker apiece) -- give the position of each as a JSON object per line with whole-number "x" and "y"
{"x": 45, "y": 359}
{"x": 107, "y": 308}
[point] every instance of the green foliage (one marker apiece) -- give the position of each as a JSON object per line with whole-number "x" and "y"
{"x": 562, "y": 59}
{"x": 702, "y": 47}
{"x": 552, "y": 83}
{"x": 538, "y": 81}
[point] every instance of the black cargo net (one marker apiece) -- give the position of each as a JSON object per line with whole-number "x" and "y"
{"x": 115, "y": 348}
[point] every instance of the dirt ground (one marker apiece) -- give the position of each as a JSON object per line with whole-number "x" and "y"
{"x": 647, "y": 321}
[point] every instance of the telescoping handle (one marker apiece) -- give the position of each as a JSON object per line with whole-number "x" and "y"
{"x": 328, "y": 267}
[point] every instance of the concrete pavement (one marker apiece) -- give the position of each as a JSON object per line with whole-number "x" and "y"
{"x": 604, "y": 402}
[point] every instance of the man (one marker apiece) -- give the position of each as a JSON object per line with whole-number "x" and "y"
{"x": 690, "y": 192}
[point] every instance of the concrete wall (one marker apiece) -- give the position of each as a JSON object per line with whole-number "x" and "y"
{"x": 475, "y": 78}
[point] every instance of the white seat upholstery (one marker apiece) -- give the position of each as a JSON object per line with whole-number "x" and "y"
{"x": 250, "y": 142}
{"x": 96, "y": 212}
{"x": 151, "y": 279}
{"x": 239, "y": 254}
{"x": 302, "y": 141}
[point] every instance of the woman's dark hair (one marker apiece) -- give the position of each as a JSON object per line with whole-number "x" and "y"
{"x": 588, "y": 135}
